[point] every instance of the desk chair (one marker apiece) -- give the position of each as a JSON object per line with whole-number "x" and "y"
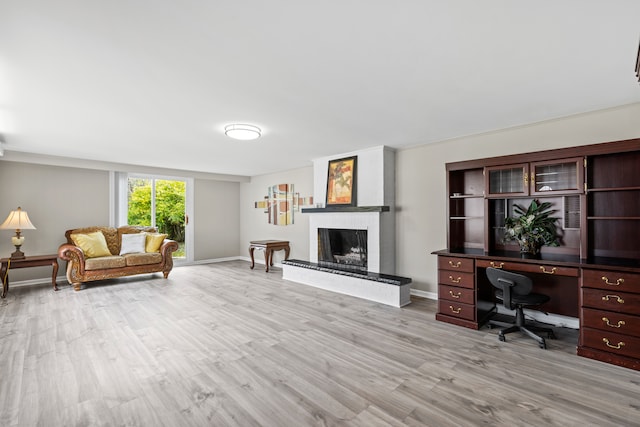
{"x": 514, "y": 290}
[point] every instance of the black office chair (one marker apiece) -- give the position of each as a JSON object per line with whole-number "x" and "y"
{"x": 514, "y": 290}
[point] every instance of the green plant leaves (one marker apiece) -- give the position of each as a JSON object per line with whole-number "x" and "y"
{"x": 534, "y": 223}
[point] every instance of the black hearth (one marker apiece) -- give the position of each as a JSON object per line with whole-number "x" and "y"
{"x": 342, "y": 248}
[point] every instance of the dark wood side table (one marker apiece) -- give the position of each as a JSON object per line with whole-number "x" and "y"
{"x": 268, "y": 246}
{"x": 30, "y": 261}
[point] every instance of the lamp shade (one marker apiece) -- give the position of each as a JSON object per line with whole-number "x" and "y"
{"x": 242, "y": 132}
{"x": 17, "y": 220}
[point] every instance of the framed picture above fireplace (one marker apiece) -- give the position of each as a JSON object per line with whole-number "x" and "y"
{"x": 341, "y": 182}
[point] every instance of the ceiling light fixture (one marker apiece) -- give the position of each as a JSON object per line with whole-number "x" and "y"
{"x": 243, "y": 132}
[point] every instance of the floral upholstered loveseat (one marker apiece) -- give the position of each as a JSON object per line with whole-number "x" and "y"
{"x": 98, "y": 253}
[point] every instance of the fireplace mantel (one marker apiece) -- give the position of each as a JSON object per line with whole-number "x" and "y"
{"x": 351, "y": 209}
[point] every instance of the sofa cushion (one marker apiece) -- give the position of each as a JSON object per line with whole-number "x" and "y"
{"x": 92, "y": 244}
{"x": 154, "y": 241}
{"x": 143, "y": 259}
{"x": 132, "y": 243}
{"x": 112, "y": 261}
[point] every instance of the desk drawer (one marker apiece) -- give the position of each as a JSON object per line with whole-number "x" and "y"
{"x": 530, "y": 268}
{"x": 456, "y": 264}
{"x": 456, "y": 309}
{"x": 611, "y": 280}
{"x": 611, "y": 322}
{"x": 621, "y": 302}
{"x": 452, "y": 293}
{"x": 455, "y": 278}
{"x": 623, "y": 345}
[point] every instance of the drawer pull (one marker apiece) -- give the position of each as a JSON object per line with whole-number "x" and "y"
{"x": 552, "y": 271}
{"x": 456, "y": 265}
{"x": 456, "y": 295}
{"x": 455, "y": 280}
{"x": 617, "y": 346}
{"x": 619, "y": 325}
{"x": 618, "y": 282}
{"x": 455, "y": 310}
{"x": 496, "y": 264}
{"x": 618, "y": 299}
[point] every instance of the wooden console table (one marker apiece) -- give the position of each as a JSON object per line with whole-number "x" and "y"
{"x": 268, "y": 246}
{"x": 30, "y": 261}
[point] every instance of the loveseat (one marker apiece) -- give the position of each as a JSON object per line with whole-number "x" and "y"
{"x": 98, "y": 253}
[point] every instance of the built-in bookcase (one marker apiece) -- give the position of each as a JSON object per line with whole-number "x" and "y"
{"x": 613, "y": 205}
{"x": 594, "y": 190}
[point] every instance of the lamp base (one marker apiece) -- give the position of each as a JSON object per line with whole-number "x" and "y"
{"x": 18, "y": 254}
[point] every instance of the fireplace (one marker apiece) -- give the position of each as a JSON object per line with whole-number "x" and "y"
{"x": 342, "y": 248}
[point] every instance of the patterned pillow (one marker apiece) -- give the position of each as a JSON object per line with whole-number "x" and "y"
{"x": 154, "y": 241}
{"x": 92, "y": 244}
{"x": 132, "y": 243}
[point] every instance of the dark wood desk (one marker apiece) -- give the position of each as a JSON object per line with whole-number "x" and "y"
{"x": 603, "y": 293}
{"x": 30, "y": 261}
{"x": 268, "y": 246}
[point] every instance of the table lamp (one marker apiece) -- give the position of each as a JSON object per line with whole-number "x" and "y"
{"x": 17, "y": 220}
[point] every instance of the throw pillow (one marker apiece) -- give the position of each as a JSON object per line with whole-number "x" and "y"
{"x": 92, "y": 244}
{"x": 132, "y": 243}
{"x": 154, "y": 241}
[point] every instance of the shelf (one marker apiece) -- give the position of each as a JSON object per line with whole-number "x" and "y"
{"x": 467, "y": 196}
{"x": 595, "y": 190}
{"x": 335, "y": 209}
{"x": 466, "y": 217}
{"x": 614, "y": 217}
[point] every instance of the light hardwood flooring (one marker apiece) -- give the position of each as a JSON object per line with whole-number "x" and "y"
{"x": 223, "y": 345}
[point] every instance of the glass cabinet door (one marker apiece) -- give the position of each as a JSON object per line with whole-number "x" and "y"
{"x": 565, "y": 176}
{"x": 510, "y": 180}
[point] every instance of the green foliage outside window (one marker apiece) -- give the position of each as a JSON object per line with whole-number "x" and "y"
{"x": 170, "y": 200}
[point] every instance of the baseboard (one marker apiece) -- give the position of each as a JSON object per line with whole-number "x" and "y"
{"x": 214, "y": 260}
{"x": 424, "y": 294}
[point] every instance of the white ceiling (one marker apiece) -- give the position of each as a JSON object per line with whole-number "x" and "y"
{"x": 153, "y": 82}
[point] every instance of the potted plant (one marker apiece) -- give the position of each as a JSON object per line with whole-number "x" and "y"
{"x": 532, "y": 227}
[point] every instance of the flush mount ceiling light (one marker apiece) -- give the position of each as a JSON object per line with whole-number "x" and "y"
{"x": 243, "y": 132}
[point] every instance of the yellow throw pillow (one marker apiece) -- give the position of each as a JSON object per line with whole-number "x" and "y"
{"x": 154, "y": 241}
{"x": 92, "y": 244}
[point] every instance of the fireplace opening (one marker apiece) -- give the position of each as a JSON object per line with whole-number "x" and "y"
{"x": 342, "y": 248}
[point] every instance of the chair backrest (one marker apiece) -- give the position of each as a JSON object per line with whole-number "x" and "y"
{"x": 510, "y": 283}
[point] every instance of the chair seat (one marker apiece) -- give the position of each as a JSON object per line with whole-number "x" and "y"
{"x": 529, "y": 299}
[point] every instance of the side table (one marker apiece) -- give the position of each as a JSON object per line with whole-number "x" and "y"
{"x": 268, "y": 246}
{"x": 30, "y": 261}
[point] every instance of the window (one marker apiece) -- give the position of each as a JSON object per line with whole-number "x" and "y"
{"x": 160, "y": 202}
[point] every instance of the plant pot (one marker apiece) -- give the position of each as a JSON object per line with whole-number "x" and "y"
{"x": 529, "y": 246}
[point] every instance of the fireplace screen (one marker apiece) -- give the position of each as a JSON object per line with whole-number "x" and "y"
{"x": 342, "y": 248}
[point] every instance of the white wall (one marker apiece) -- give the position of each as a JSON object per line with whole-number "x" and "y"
{"x": 254, "y": 222}
{"x": 421, "y": 182}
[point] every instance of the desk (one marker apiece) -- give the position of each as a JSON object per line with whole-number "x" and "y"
{"x": 30, "y": 261}
{"x": 268, "y": 246}
{"x": 603, "y": 293}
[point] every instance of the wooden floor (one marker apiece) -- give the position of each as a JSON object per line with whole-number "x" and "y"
{"x": 223, "y": 345}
